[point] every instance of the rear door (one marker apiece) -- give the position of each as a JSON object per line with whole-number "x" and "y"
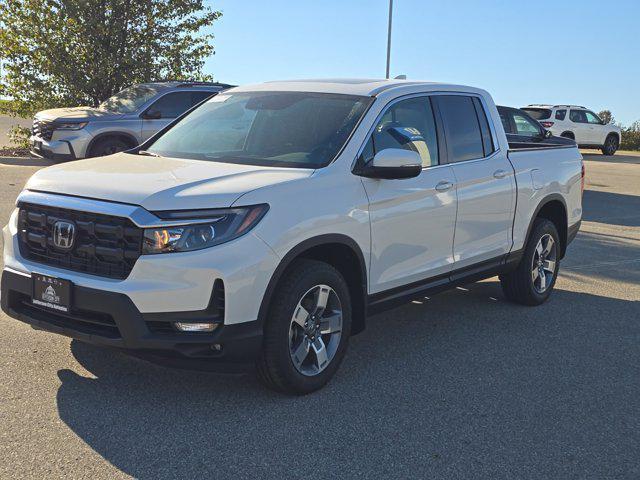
{"x": 412, "y": 220}
{"x": 484, "y": 181}
{"x": 167, "y": 108}
{"x": 580, "y": 126}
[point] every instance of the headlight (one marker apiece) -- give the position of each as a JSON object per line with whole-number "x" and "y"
{"x": 220, "y": 226}
{"x": 69, "y": 126}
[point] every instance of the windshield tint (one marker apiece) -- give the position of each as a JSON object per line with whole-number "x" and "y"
{"x": 538, "y": 113}
{"x": 130, "y": 99}
{"x": 280, "y": 129}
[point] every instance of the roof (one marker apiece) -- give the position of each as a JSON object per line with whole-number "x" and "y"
{"x": 187, "y": 83}
{"x": 349, "y": 86}
{"x": 544, "y": 105}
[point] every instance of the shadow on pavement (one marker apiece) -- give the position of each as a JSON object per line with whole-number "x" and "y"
{"x": 462, "y": 382}
{"x": 26, "y": 161}
{"x": 611, "y": 208}
{"x": 617, "y": 158}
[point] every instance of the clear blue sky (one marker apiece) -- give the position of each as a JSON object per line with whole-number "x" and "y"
{"x": 585, "y": 52}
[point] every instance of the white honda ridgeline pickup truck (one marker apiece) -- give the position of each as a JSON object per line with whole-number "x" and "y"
{"x": 264, "y": 226}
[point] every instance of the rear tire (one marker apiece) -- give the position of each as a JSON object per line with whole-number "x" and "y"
{"x": 108, "y": 146}
{"x": 611, "y": 145}
{"x": 532, "y": 282}
{"x": 297, "y": 358}
{"x": 568, "y": 135}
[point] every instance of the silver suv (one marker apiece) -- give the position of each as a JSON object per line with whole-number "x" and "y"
{"x": 119, "y": 123}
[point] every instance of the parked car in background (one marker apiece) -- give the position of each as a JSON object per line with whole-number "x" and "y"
{"x": 119, "y": 123}
{"x": 579, "y": 124}
{"x": 525, "y": 132}
{"x": 266, "y": 224}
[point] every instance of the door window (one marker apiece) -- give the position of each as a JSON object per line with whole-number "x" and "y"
{"x": 175, "y": 104}
{"x": 504, "y": 118}
{"x": 525, "y": 126}
{"x": 410, "y": 125}
{"x": 464, "y": 139}
{"x": 487, "y": 140}
{"x": 592, "y": 118}
{"x": 578, "y": 116}
{"x": 560, "y": 114}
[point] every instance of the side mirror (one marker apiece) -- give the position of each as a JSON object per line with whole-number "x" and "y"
{"x": 547, "y": 133}
{"x": 152, "y": 115}
{"x": 392, "y": 164}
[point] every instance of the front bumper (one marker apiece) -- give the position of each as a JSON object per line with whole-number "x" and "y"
{"x": 69, "y": 148}
{"x": 111, "y": 319}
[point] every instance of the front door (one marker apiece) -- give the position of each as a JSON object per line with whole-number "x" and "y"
{"x": 164, "y": 110}
{"x": 412, "y": 220}
{"x": 484, "y": 182}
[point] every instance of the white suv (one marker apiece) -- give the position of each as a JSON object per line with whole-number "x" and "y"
{"x": 579, "y": 124}
{"x": 265, "y": 225}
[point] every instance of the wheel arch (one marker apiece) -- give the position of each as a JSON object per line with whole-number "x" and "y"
{"x": 133, "y": 141}
{"x": 553, "y": 207}
{"x": 568, "y": 134}
{"x": 339, "y": 251}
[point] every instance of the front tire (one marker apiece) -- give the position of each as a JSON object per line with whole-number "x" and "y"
{"x": 532, "y": 282}
{"x": 108, "y": 146}
{"x": 611, "y": 145}
{"x": 307, "y": 331}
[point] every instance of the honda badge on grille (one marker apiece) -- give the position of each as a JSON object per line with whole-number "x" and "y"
{"x": 63, "y": 234}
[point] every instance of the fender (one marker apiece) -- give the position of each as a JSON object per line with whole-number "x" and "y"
{"x": 549, "y": 198}
{"x": 115, "y": 133}
{"x": 359, "y": 312}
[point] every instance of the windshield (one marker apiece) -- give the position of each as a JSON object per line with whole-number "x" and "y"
{"x": 130, "y": 99}
{"x": 278, "y": 129}
{"x": 538, "y": 113}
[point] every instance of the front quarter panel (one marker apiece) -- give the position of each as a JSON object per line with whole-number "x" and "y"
{"x": 329, "y": 202}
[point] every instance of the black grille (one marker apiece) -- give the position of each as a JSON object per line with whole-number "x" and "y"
{"x": 104, "y": 245}
{"x": 42, "y": 129}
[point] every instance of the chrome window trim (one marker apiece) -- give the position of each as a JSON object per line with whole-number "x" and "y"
{"x": 392, "y": 102}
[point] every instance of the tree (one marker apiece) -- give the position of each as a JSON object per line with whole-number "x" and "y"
{"x": 80, "y": 52}
{"x": 606, "y": 116}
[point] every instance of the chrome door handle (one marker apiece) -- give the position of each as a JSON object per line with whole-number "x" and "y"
{"x": 499, "y": 174}
{"x": 443, "y": 186}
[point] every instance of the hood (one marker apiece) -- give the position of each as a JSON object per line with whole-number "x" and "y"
{"x": 159, "y": 183}
{"x": 76, "y": 113}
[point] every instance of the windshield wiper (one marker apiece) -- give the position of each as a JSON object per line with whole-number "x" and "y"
{"x": 147, "y": 153}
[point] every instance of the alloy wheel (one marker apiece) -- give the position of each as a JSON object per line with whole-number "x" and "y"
{"x": 543, "y": 266}
{"x": 315, "y": 330}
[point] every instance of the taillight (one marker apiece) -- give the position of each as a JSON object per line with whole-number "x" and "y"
{"x": 546, "y": 124}
{"x": 582, "y": 179}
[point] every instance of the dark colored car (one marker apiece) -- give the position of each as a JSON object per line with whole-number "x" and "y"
{"x": 525, "y": 132}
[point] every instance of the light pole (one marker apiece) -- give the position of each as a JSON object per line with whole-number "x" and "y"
{"x": 389, "y": 37}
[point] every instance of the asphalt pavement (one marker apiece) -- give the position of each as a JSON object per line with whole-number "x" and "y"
{"x": 462, "y": 385}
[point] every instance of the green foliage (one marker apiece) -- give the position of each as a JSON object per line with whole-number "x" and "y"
{"x": 606, "y": 116}
{"x": 631, "y": 137}
{"x": 80, "y": 52}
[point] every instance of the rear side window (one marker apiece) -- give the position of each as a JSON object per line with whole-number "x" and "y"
{"x": 538, "y": 113}
{"x": 487, "y": 140}
{"x": 578, "y": 116}
{"x": 560, "y": 114}
{"x": 464, "y": 138}
{"x": 410, "y": 125}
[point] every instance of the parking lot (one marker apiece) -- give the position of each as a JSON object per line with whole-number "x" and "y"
{"x": 462, "y": 385}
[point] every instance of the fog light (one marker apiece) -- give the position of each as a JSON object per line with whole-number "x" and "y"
{"x": 195, "y": 327}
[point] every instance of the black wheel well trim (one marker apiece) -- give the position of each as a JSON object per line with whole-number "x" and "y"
{"x": 613, "y": 133}
{"x": 545, "y": 201}
{"x": 358, "y": 311}
{"x": 116, "y": 133}
{"x": 573, "y": 135}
